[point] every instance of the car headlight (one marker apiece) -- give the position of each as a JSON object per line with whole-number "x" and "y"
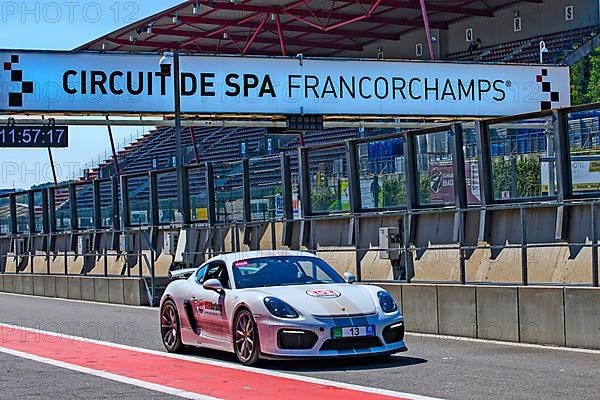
{"x": 280, "y": 308}
{"x": 386, "y": 301}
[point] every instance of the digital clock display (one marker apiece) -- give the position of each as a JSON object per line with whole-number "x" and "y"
{"x": 34, "y": 136}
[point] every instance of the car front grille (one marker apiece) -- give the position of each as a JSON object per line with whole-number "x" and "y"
{"x": 351, "y": 343}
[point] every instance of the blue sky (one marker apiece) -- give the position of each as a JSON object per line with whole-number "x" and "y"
{"x": 64, "y": 25}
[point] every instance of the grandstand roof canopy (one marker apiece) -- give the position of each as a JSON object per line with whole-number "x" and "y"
{"x": 266, "y": 27}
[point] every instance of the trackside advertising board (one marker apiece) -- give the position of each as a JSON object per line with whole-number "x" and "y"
{"x": 132, "y": 83}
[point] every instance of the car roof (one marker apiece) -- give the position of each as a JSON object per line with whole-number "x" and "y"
{"x": 230, "y": 258}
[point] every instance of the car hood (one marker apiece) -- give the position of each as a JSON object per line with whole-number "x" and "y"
{"x": 325, "y": 300}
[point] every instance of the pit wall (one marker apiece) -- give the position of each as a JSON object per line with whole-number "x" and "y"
{"x": 555, "y": 316}
{"x": 114, "y": 290}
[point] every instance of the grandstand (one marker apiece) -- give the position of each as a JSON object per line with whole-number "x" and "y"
{"x": 327, "y": 28}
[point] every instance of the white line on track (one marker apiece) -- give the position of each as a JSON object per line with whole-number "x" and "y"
{"x": 223, "y": 364}
{"x": 501, "y": 343}
{"x": 108, "y": 375}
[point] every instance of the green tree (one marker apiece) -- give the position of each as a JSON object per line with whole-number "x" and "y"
{"x": 529, "y": 176}
{"x": 424, "y": 189}
{"x": 394, "y": 191}
{"x": 501, "y": 176}
{"x": 585, "y": 79}
{"x": 322, "y": 200}
{"x": 593, "y": 87}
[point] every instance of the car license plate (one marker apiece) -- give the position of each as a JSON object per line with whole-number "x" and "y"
{"x": 353, "y": 331}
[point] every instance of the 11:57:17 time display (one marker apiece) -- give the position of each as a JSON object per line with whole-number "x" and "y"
{"x": 34, "y": 136}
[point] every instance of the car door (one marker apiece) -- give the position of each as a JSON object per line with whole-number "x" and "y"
{"x": 209, "y": 306}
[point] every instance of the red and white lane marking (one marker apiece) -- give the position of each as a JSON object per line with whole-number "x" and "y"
{"x": 179, "y": 375}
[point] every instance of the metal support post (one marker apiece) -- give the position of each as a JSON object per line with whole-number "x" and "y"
{"x": 524, "y": 268}
{"x": 560, "y": 129}
{"x": 484, "y": 166}
{"x": 182, "y": 192}
{"x": 594, "y": 247}
{"x": 288, "y": 208}
{"x": 153, "y": 199}
{"x": 210, "y": 195}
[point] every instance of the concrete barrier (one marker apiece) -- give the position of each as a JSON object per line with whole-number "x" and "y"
{"x": 582, "y": 317}
{"x": 62, "y": 287}
{"x": 115, "y": 291}
{"x": 27, "y": 284}
{"x": 541, "y": 315}
{"x": 497, "y": 313}
{"x": 87, "y": 289}
{"x": 50, "y": 286}
{"x": 420, "y": 308}
{"x": 74, "y": 284}
{"x": 101, "y": 289}
{"x": 18, "y": 284}
{"x": 39, "y": 285}
{"x": 134, "y": 292}
{"x": 457, "y": 311}
{"x": 9, "y": 286}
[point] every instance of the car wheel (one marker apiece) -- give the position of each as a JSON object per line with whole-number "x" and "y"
{"x": 170, "y": 327}
{"x": 245, "y": 338}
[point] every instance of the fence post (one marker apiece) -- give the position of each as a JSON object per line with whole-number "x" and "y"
{"x": 46, "y": 228}
{"x": 594, "y": 247}
{"x": 97, "y": 204}
{"x": 14, "y": 229}
{"x": 412, "y": 202}
{"x": 460, "y": 195}
{"x": 247, "y": 196}
{"x": 560, "y": 129}
{"x": 306, "y": 207}
{"x": 153, "y": 198}
{"x": 288, "y": 208}
{"x": 210, "y": 195}
{"x": 484, "y": 165}
{"x": 524, "y": 266}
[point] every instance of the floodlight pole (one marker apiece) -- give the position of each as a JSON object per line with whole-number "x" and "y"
{"x": 179, "y": 161}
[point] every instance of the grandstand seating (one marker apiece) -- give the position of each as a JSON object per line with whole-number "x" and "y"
{"x": 559, "y": 44}
{"x": 219, "y": 145}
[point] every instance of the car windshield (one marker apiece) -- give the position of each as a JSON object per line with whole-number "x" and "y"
{"x": 283, "y": 271}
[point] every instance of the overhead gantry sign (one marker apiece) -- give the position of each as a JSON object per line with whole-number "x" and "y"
{"x": 132, "y": 83}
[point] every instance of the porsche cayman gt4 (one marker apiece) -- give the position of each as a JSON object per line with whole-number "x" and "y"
{"x": 278, "y": 304}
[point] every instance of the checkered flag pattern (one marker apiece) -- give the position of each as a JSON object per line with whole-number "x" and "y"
{"x": 548, "y": 96}
{"x": 15, "y": 99}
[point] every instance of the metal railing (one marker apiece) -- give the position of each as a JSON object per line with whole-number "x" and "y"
{"x": 434, "y": 173}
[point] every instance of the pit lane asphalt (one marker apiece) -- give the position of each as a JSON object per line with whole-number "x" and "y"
{"x": 437, "y": 367}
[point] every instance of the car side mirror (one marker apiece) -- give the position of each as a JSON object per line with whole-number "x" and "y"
{"x": 349, "y": 277}
{"x": 213, "y": 284}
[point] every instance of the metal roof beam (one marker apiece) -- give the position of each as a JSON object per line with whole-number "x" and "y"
{"x": 415, "y": 5}
{"x": 297, "y": 12}
{"x": 269, "y": 27}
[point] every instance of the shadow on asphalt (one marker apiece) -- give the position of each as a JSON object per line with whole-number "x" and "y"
{"x": 348, "y": 364}
{"x": 339, "y": 364}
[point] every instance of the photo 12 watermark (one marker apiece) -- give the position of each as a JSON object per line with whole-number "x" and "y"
{"x": 23, "y": 174}
{"x": 55, "y": 12}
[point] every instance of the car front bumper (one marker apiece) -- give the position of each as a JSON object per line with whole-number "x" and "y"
{"x": 325, "y": 345}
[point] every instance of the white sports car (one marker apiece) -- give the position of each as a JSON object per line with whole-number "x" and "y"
{"x": 278, "y": 304}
